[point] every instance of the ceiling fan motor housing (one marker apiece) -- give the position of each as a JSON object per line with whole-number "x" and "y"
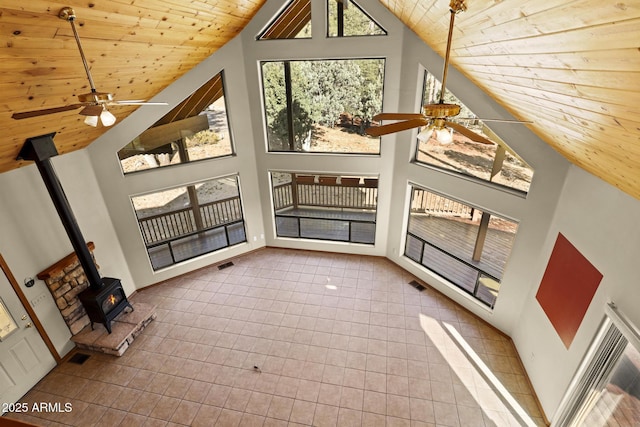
{"x": 97, "y": 97}
{"x": 441, "y": 110}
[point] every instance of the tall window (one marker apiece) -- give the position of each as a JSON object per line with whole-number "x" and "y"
{"x": 496, "y": 163}
{"x": 346, "y": 18}
{"x": 322, "y": 106}
{"x": 325, "y": 207}
{"x": 184, "y": 222}
{"x": 461, "y": 243}
{"x": 196, "y": 129}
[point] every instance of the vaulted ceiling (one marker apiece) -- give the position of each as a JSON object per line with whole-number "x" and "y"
{"x": 570, "y": 67}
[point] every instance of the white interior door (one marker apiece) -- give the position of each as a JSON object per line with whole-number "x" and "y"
{"x": 24, "y": 357}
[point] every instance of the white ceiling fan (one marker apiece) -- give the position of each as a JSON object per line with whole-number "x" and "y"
{"x": 94, "y": 103}
{"x": 435, "y": 117}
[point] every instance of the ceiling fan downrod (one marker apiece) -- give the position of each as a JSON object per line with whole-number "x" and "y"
{"x": 69, "y": 15}
{"x": 455, "y": 7}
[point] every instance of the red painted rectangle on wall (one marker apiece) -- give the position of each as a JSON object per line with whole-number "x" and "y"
{"x": 567, "y": 288}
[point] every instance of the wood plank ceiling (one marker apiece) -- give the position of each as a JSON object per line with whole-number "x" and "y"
{"x": 571, "y": 67}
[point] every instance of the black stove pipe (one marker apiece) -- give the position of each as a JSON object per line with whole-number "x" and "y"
{"x": 40, "y": 149}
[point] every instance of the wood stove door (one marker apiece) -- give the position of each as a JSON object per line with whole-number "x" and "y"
{"x": 24, "y": 356}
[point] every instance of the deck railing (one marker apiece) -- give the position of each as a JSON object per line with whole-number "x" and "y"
{"x": 326, "y": 193}
{"x": 427, "y": 202}
{"x": 173, "y": 225}
{"x": 221, "y": 212}
{"x": 283, "y": 196}
{"x": 463, "y": 274}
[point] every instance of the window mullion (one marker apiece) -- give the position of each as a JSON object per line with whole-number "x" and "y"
{"x": 289, "y": 96}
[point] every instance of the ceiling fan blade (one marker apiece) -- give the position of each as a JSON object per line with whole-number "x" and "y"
{"x": 494, "y": 120}
{"x": 396, "y": 127}
{"x": 397, "y": 116}
{"x": 45, "y": 111}
{"x": 469, "y": 133}
{"x": 136, "y": 102}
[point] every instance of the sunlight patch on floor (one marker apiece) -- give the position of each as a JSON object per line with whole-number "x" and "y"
{"x": 497, "y": 403}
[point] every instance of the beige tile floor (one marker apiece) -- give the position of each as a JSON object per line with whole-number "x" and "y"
{"x": 337, "y": 339}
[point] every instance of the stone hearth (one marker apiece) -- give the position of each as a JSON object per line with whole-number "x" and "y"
{"x": 124, "y": 329}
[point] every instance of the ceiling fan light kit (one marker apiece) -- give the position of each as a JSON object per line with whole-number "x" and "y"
{"x": 95, "y": 103}
{"x": 91, "y": 121}
{"x": 444, "y": 136}
{"x": 425, "y": 134}
{"x": 105, "y": 117}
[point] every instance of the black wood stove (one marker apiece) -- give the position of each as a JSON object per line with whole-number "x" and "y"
{"x": 104, "y": 299}
{"x": 103, "y": 305}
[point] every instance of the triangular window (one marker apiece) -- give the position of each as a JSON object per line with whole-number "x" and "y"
{"x": 294, "y": 22}
{"x": 195, "y": 129}
{"x": 497, "y": 163}
{"x": 346, "y": 18}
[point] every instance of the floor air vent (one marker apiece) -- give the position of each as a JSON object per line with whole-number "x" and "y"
{"x": 225, "y": 265}
{"x": 79, "y": 358}
{"x": 417, "y": 285}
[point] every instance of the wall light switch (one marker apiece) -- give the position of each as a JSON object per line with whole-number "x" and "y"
{"x": 38, "y": 300}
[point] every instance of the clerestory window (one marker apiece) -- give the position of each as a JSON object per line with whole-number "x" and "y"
{"x": 346, "y": 18}
{"x": 294, "y": 22}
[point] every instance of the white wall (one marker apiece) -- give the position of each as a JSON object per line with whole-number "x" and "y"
{"x": 117, "y": 188}
{"x": 533, "y": 212}
{"x": 33, "y": 237}
{"x": 602, "y": 223}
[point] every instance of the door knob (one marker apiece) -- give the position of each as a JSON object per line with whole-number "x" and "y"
{"x": 28, "y": 325}
{"x": 24, "y": 317}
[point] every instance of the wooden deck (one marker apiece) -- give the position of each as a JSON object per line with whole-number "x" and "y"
{"x": 458, "y": 238}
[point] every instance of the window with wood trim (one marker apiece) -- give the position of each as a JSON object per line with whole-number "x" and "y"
{"x": 196, "y": 129}
{"x": 325, "y": 207}
{"x": 496, "y": 163}
{"x": 181, "y": 223}
{"x": 346, "y": 18}
{"x": 294, "y": 22}
{"x": 322, "y": 106}
{"x": 459, "y": 242}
